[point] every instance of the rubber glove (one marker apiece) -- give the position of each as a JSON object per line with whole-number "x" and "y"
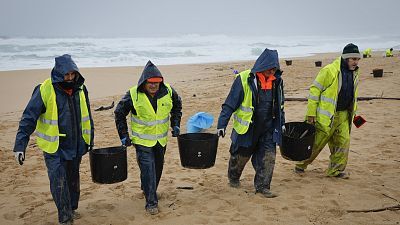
{"x": 221, "y": 132}
{"x": 19, "y": 157}
{"x": 175, "y": 131}
{"x": 126, "y": 141}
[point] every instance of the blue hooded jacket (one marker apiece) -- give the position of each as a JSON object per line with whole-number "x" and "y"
{"x": 69, "y": 113}
{"x": 267, "y": 60}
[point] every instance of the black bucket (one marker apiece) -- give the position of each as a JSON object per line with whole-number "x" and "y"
{"x": 288, "y": 62}
{"x": 365, "y": 56}
{"x": 198, "y": 150}
{"x": 108, "y": 165}
{"x": 377, "y": 72}
{"x": 318, "y": 63}
{"x": 297, "y": 141}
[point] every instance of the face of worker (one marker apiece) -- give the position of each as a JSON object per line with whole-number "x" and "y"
{"x": 152, "y": 87}
{"x": 269, "y": 72}
{"x": 352, "y": 63}
{"x": 70, "y": 76}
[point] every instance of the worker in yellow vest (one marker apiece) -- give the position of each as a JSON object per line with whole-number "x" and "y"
{"x": 154, "y": 107}
{"x": 332, "y": 105}
{"x": 59, "y": 111}
{"x": 367, "y": 52}
{"x": 256, "y": 102}
{"x": 389, "y": 52}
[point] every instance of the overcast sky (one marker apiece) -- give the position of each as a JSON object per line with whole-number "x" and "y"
{"x": 133, "y": 18}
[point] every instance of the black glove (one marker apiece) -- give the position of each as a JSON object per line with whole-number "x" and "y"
{"x": 175, "y": 131}
{"x": 126, "y": 141}
{"x": 221, "y": 132}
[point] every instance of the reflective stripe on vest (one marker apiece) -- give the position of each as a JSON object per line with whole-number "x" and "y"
{"x": 242, "y": 116}
{"x": 47, "y": 131}
{"x": 85, "y": 118}
{"x": 147, "y": 126}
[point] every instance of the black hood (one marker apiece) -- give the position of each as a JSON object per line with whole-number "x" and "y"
{"x": 63, "y": 65}
{"x": 150, "y": 70}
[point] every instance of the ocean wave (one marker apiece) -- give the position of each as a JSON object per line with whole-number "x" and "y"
{"x": 33, "y": 53}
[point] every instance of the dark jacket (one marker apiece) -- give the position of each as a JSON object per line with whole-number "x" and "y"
{"x": 267, "y": 60}
{"x": 125, "y": 106}
{"x": 346, "y": 93}
{"x": 69, "y": 113}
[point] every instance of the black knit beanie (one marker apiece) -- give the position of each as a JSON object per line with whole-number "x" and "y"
{"x": 351, "y": 51}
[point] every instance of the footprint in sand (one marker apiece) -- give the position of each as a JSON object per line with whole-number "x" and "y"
{"x": 298, "y": 197}
{"x": 99, "y": 207}
{"x": 334, "y": 202}
{"x": 11, "y": 216}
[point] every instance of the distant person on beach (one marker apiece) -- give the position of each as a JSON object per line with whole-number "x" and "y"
{"x": 389, "y": 52}
{"x": 256, "y": 101}
{"x": 154, "y": 106}
{"x": 59, "y": 111}
{"x": 367, "y": 52}
{"x": 332, "y": 104}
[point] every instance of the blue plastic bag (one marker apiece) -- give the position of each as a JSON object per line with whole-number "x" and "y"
{"x": 198, "y": 122}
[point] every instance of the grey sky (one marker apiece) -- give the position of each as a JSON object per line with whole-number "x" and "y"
{"x": 132, "y": 18}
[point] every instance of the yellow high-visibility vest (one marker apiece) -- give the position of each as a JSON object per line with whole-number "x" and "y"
{"x": 242, "y": 116}
{"x": 147, "y": 126}
{"x": 47, "y": 131}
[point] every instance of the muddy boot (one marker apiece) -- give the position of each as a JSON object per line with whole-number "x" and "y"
{"x": 298, "y": 170}
{"x": 152, "y": 210}
{"x": 76, "y": 215}
{"x": 343, "y": 175}
{"x": 69, "y": 222}
{"x": 267, "y": 193}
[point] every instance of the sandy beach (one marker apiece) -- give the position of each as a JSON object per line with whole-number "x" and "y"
{"x": 311, "y": 198}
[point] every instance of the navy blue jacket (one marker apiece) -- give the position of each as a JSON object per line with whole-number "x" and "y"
{"x": 346, "y": 93}
{"x": 125, "y": 106}
{"x": 267, "y": 60}
{"x": 69, "y": 113}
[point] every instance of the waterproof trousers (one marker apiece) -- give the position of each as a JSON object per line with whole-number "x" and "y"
{"x": 338, "y": 139}
{"x": 64, "y": 184}
{"x": 151, "y": 163}
{"x": 262, "y": 154}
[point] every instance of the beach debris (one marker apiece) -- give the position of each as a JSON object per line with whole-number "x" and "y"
{"x": 391, "y": 208}
{"x": 199, "y": 121}
{"x": 101, "y": 108}
{"x": 379, "y": 72}
{"x": 185, "y": 187}
{"x": 390, "y": 197}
